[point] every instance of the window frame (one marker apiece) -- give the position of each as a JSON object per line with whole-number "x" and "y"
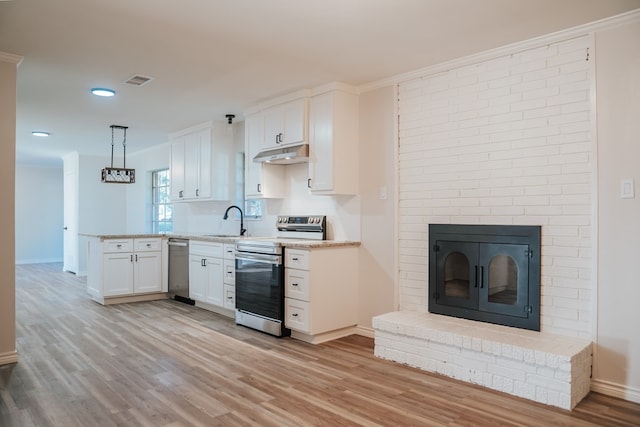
{"x": 161, "y": 208}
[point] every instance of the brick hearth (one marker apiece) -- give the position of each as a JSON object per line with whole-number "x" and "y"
{"x": 544, "y": 367}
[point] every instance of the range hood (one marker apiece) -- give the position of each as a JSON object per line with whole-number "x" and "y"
{"x": 285, "y": 155}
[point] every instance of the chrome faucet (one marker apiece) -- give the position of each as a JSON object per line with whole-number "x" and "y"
{"x": 226, "y": 216}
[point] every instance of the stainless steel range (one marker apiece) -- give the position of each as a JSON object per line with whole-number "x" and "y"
{"x": 260, "y": 272}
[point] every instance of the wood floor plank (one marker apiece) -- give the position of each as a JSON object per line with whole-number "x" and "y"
{"x": 163, "y": 363}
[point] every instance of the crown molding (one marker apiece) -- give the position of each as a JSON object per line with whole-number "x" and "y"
{"x": 562, "y": 35}
{"x": 11, "y": 58}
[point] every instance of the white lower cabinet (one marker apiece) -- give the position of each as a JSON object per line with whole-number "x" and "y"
{"x": 321, "y": 289}
{"x": 125, "y": 267}
{"x": 206, "y": 272}
{"x": 229, "y": 280}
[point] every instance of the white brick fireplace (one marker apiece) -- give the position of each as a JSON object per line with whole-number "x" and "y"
{"x": 505, "y": 140}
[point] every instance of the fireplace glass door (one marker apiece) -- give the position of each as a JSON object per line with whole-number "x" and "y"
{"x": 503, "y": 281}
{"x": 457, "y": 284}
{"x": 489, "y": 273}
{"x": 486, "y": 276}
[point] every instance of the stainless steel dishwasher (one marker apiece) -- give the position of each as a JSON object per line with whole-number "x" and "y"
{"x": 179, "y": 270}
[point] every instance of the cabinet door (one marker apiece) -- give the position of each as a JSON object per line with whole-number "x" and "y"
{"x": 333, "y": 143}
{"x": 215, "y": 282}
{"x": 117, "y": 274}
{"x": 285, "y": 124}
{"x": 204, "y": 188}
{"x": 191, "y": 166}
{"x": 261, "y": 180}
{"x": 147, "y": 272}
{"x": 253, "y": 142}
{"x": 321, "y": 143}
{"x": 297, "y": 315}
{"x": 229, "y": 271}
{"x": 197, "y": 278}
{"x": 273, "y": 127}
{"x": 295, "y": 122}
{"x": 176, "y": 169}
{"x": 229, "y": 297}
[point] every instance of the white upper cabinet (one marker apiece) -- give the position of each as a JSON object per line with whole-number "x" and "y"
{"x": 176, "y": 168}
{"x": 333, "y": 143}
{"x": 285, "y": 124}
{"x": 262, "y": 179}
{"x": 202, "y": 162}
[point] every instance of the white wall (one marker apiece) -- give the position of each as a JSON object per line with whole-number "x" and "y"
{"x": 39, "y": 214}
{"x": 102, "y": 207}
{"x": 138, "y": 195}
{"x": 378, "y": 252}
{"x": 617, "y": 358}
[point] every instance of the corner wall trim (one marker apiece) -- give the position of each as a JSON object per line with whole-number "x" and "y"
{"x": 9, "y": 357}
{"x": 365, "y": 331}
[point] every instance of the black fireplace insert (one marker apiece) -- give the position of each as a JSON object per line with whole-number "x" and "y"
{"x": 489, "y": 273}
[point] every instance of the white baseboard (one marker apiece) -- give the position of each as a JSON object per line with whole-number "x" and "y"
{"x": 616, "y": 390}
{"x": 9, "y": 357}
{"x": 38, "y": 261}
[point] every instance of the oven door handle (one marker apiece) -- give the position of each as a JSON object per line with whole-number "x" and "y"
{"x": 271, "y": 259}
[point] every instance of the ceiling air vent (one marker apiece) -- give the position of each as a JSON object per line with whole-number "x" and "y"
{"x": 138, "y": 80}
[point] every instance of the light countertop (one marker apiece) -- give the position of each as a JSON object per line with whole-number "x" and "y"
{"x": 297, "y": 243}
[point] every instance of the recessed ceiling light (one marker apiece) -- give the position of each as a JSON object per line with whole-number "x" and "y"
{"x": 39, "y": 133}
{"x": 100, "y": 91}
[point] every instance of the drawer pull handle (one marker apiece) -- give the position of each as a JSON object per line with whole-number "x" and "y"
{"x": 294, "y": 284}
{"x": 294, "y": 314}
{"x": 294, "y": 259}
{"x": 148, "y": 245}
{"x": 118, "y": 246}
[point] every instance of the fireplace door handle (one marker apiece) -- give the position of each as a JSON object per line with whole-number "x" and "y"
{"x": 476, "y": 284}
{"x": 482, "y": 277}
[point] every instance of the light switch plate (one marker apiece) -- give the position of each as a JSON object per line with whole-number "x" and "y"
{"x": 626, "y": 189}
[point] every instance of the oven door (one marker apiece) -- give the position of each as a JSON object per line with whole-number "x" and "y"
{"x": 260, "y": 285}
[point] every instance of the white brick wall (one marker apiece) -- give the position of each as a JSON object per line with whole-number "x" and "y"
{"x": 547, "y": 368}
{"x": 507, "y": 141}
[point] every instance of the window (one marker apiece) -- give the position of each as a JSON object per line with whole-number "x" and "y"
{"x": 162, "y": 210}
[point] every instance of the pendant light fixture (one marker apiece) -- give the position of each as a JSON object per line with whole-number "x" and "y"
{"x": 119, "y": 175}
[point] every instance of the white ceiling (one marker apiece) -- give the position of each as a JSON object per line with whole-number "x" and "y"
{"x": 213, "y": 57}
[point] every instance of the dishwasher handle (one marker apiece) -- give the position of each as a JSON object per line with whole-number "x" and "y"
{"x": 182, "y": 244}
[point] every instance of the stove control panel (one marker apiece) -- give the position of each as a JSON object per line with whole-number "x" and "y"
{"x": 301, "y": 220}
{"x": 305, "y": 223}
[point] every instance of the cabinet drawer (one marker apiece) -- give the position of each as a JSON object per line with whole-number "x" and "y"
{"x": 119, "y": 245}
{"x": 229, "y": 297}
{"x": 141, "y": 245}
{"x": 207, "y": 249}
{"x": 296, "y": 284}
{"x": 230, "y": 251}
{"x": 229, "y": 271}
{"x": 295, "y": 258}
{"x": 296, "y": 314}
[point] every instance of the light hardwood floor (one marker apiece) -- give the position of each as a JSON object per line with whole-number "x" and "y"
{"x": 164, "y": 363}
